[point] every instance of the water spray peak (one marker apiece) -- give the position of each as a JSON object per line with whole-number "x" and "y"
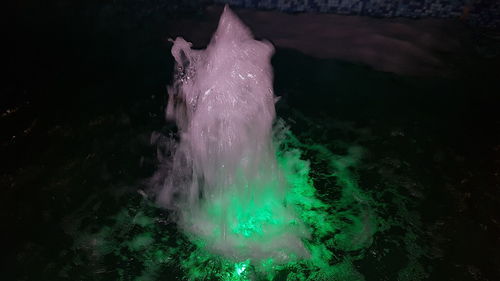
{"x": 231, "y": 28}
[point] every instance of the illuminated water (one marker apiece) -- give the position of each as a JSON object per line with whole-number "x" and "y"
{"x": 370, "y": 164}
{"x": 238, "y": 187}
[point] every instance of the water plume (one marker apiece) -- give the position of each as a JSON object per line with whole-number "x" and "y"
{"x": 221, "y": 178}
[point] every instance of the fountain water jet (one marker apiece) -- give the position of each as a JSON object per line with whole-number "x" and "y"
{"x": 222, "y": 178}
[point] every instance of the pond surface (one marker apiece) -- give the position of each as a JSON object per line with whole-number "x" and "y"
{"x": 404, "y": 171}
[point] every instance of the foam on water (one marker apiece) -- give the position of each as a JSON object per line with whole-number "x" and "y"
{"x": 134, "y": 241}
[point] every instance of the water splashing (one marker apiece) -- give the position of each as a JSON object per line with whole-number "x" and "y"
{"x": 223, "y": 179}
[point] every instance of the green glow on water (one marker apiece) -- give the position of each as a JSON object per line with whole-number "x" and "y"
{"x": 338, "y": 222}
{"x": 329, "y": 228}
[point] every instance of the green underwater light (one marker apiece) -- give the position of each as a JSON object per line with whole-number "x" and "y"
{"x": 339, "y": 221}
{"x": 330, "y": 229}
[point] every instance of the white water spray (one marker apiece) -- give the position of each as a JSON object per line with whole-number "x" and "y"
{"x": 222, "y": 178}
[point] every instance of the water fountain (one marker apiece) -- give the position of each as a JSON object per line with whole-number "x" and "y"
{"x": 223, "y": 180}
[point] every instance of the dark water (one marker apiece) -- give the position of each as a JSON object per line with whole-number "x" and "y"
{"x": 84, "y": 95}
